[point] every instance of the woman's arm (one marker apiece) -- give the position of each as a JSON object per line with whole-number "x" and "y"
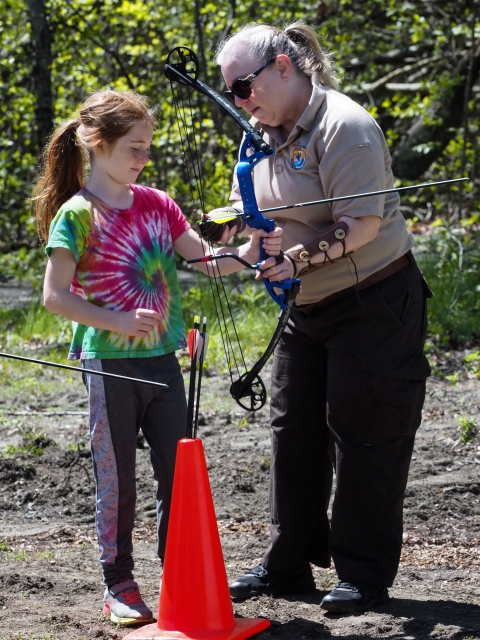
{"x": 59, "y": 299}
{"x": 360, "y": 231}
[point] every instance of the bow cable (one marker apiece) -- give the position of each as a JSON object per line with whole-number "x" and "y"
{"x": 195, "y": 181}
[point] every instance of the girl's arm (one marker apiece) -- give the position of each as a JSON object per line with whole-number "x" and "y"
{"x": 59, "y": 299}
{"x": 189, "y": 245}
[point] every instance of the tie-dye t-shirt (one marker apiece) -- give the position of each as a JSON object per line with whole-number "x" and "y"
{"x": 125, "y": 261}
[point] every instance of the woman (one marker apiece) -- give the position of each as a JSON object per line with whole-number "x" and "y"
{"x": 348, "y": 381}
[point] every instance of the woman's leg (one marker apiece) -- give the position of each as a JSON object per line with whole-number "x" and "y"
{"x": 301, "y": 469}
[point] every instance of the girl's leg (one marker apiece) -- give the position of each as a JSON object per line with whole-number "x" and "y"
{"x": 163, "y": 425}
{"x": 118, "y": 408}
{"x": 113, "y": 443}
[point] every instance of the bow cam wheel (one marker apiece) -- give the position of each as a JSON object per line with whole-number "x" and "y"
{"x": 183, "y": 60}
{"x": 251, "y": 396}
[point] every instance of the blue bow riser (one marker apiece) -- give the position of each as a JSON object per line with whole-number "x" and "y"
{"x": 249, "y": 157}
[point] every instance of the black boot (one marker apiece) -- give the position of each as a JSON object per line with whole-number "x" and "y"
{"x": 259, "y": 581}
{"x": 354, "y": 597}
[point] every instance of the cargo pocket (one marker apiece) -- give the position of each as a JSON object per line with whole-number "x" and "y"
{"x": 392, "y": 396}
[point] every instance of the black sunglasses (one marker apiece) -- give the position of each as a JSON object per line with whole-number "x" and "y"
{"x": 241, "y": 87}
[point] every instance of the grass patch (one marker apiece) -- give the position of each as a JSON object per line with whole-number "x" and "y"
{"x": 254, "y": 320}
{"x": 472, "y": 362}
{"x": 33, "y": 443}
{"x": 468, "y": 429}
{"x": 34, "y": 327}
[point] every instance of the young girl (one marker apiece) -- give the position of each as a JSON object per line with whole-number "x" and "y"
{"x": 111, "y": 270}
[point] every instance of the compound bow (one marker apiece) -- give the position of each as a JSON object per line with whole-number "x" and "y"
{"x": 181, "y": 67}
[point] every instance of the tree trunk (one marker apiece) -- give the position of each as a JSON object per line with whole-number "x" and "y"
{"x": 423, "y": 142}
{"x": 41, "y": 72}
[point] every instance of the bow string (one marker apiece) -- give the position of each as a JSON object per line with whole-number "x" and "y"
{"x": 248, "y": 390}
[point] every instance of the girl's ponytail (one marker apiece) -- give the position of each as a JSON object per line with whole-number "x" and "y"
{"x": 62, "y": 175}
{"x": 105, "y": 116}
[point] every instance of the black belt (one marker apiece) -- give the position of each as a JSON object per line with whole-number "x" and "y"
{"x": 400, "y": 263}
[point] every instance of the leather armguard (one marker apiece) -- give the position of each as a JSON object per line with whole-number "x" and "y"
{"x": 301, "y": 254}
{"x": 213, "y": 231}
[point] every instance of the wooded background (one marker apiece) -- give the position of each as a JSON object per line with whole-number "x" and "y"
{"x": 414, "y": 65}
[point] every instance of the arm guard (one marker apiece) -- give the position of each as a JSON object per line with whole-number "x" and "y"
{"x": 213, "y": 231}
{"x": 301, "y": 254}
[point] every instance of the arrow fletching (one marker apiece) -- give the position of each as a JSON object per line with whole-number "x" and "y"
{"x": 192, "y": 341}
{"x": 203, "y": 354}
{"x": 198, "y": 347}
{"x": 220, "y": 218}
{"x": 193, "y": 336}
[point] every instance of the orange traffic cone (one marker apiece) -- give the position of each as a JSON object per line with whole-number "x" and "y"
{"x": 194, "y": 598}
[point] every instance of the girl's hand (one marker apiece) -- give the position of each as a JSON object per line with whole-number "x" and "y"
{"x": 138, "y": 322}
{"x": 223, "y": 232}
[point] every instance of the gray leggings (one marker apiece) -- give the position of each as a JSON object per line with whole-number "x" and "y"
{"x": 118, "y": 409}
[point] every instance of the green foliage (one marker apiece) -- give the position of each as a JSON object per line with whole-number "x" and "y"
{"x": 397, "y": 59}
{"x": 472, "y": 361}
{"x": 449, "y": 257}
{"x": 468, "y": 429}
{"x": 34, "y": 326}
{"x": 27, "y": 265}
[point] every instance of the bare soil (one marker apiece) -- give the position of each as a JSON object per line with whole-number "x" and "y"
{"x": 50, "y": 584}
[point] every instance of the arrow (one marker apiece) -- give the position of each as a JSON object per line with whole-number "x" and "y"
{"x": 193, "y": 336}
{"x": 223, "y": 217}
{"x": 82, "y": 370}
{"x": 201, "y": 353}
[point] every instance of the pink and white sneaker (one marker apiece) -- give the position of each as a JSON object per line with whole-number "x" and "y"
{"x": 123, "y": 604}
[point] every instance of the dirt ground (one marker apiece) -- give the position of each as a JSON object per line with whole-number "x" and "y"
{"x": 50, "y": 585}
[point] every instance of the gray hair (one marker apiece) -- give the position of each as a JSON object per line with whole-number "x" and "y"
{"x": 298, "y": 41}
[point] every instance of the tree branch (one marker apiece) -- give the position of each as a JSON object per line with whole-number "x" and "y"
{"x": 424, "y": 142}
{"x": 398, "y": 72}
{"x": 115, "y": 55}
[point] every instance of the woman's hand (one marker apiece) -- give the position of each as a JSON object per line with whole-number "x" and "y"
{"x": 272, "y": 243}
{"x": 276, "y": 272}
{"x": 277, "y": 267}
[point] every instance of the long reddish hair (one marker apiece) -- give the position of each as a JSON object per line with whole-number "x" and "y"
{"x": 105, "y": 116}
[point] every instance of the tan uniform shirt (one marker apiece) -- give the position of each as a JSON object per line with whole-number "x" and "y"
{"x": 335, "y": 149}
